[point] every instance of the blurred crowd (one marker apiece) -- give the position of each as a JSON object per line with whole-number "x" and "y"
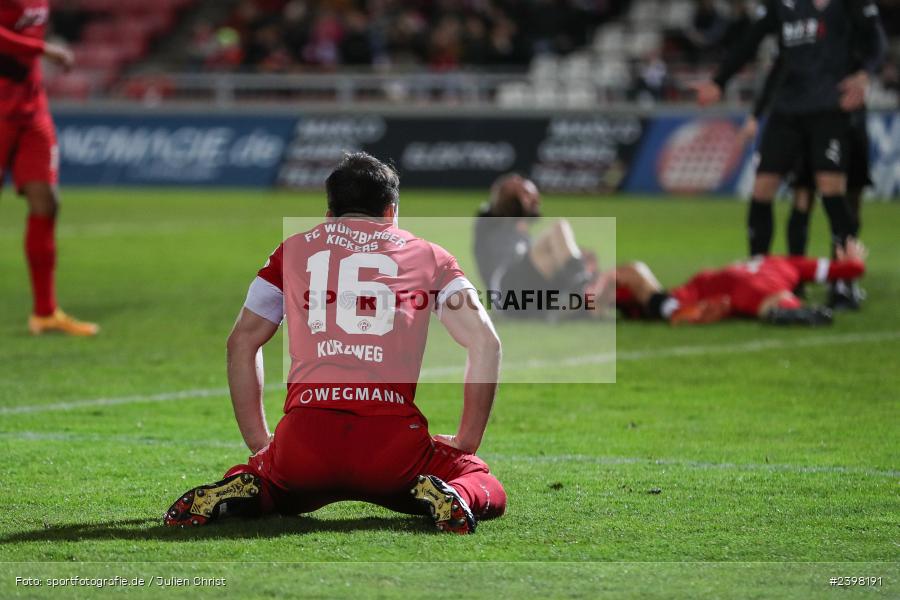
{"x": 442, "y": 35}
{"x": 715, "y": 25}
{"x": 289, "y": 36}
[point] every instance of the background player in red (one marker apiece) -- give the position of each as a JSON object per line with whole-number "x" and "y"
{"x": 758, "y": 288}
{"x": 28, "y": 151}
{"x": 357, "y": 293}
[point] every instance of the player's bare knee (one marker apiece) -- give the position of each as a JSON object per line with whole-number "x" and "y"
{"x": 42, "y": 199}
{"x": 831, "y": 184}
{"x": 626, "y": 274}
{"x": 765, "y": 186}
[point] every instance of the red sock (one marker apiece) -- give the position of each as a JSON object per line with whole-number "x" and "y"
{"x": 483, "y": 493}
{"x": 40, "y": 251}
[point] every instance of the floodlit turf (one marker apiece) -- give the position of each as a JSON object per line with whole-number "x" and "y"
{"x": 732, "y": 460}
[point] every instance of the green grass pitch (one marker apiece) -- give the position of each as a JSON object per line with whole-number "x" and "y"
{"x": 774, "y": 452}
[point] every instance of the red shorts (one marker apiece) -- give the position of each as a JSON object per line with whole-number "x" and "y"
{"x": 28, "y": 150}
{"x": 320, "y": 456}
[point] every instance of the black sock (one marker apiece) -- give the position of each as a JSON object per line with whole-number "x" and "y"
{"x": 656, "y": 306}
{"x": 840, "y": 218}
{"x": 798, "y": 233}
{"x": 759, "y": 226}
{"x": 854, "y": 205}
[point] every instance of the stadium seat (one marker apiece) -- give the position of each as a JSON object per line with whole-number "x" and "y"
{"x": 678, "y": 14}
{"x": 643, "y": 42}
{"x": 514, "y": 95}
{"x": 580, "y": 95}
{"x": 544, "y": 68}
{"x": 576, "y": 67}
{"x": 117, "y": 33}
{"x": 98, "y": 57}
{"x": 610, "y": 41}
{"x": 645, "y": 13}
{"x": 612, "y": 74}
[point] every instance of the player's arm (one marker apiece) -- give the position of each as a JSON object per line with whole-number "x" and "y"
{"x": 246, "y": 377}
{"x": 470, "y": 325}
{"x": 762, "y": 102}
{"x": 850, "y": 264}
{"x": 256, "y": 324}
{"x": 738, "y": 55}
{"x": 23, "y": 46}
{"x": 16, "y": 44}
{"x": 872, "y": 49}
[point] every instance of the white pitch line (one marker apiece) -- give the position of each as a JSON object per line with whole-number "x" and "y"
{"x": 140, "y": 398}
{"x": 139, "y": 440}
{"x": 589, "y": 359}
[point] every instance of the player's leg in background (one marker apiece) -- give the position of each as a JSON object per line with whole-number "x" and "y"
{"x": 640, "y": 295}
{"x": 35, "y": 171}
{"x": 849, "y": 294}
{"x": 779, "y": 147}
{"x": 804, "y": 188}
{"x": 635, "y": 284}
{"x": 798, "y": 223}
{"x": 858, "y": 167}
{"x": 833, "y": 185}
{"x": 785, "y": 308}
{"x": 829, "y": 133}
{"x": 557, "y": 257}
{"x": 40, "y": 244}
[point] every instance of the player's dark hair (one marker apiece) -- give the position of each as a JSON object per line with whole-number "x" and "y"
{"x": 504, "y": 201}
{"x": 362, "y": 184}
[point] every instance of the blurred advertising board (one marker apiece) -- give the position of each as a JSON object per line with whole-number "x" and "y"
{"x": 563, "y": 154}
{"x": 171, "y": 149}
{"x": 671, "y": 153}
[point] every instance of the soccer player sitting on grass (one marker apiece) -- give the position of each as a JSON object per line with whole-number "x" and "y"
{"x": 351, "y": 291}
{"x": 511, "y": 259}
{"x": 760, "y": 288}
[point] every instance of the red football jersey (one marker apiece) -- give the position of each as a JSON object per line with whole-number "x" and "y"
{"x": 748, "y": 284}
{"x": 23, "y": 24}
{"x": 357, "y": 296}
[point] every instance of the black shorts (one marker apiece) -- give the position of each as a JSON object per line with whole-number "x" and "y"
{"x": 821, "y": 138}
{"x": 858, "y": 170}
{"x": 522, "y": 275}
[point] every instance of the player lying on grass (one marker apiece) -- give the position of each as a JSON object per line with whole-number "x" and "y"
{"x": 351, "y": 430}
{"x": 28, "y": 150}
{"x": 511, "y": 259}
{"x": 758, "y": 288}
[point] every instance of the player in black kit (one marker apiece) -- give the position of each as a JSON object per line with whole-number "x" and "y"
{"x": 812, "y": 102}
{"x": 842, "y": 294}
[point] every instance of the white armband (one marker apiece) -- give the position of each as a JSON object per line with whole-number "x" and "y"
{"x": 265, "y": 300}
{"x": 457, "y": 285}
